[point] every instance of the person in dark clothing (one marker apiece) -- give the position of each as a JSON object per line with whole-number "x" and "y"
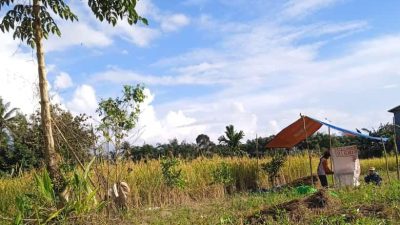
{"x": 373, "y": 177}
{"x": 323, "y": 169}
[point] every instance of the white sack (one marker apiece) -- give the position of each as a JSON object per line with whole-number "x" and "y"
{"x": 346, "y": 166}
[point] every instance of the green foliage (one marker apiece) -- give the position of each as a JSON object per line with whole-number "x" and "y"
{"x": 274, "y": 166}
{"x": 171, "y": 174}
{"x": 43, "y": 206}
{"x": 22, "y": 17}
{"x": 232, "y": 139}
{"x": 7, "y": 118}
{"x": 204, "y": 144}
{"x": 112, "y": 11}
{"x": 331, "y": 220}
{"x": 223, "y": 174}
{"x": 22, "y": 147}
{"x": 225, "y": 220}
{"x": 120, "y": 115}
{"x": 71, "y": 133}
{"x": 83, "y": 198}
{"x": 44, "y": 186}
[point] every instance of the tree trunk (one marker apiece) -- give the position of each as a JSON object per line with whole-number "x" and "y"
{"x": 51, "y": 156}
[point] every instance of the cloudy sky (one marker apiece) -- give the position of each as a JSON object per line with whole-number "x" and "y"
{"x": 256, "y": 64}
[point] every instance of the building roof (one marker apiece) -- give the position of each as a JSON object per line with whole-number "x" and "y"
{"x": 395, "y": 109}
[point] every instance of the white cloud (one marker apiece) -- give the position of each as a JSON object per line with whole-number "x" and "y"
{"x": 143, "y": 36}
{"x": 389, "y": 86}
{"x": 174, "y": 22}
{"x": 63, "y": 81}
{"x": 273, "y": 79}
{"x": 84, "y": 100}
{"x": 121, "y": 76}
{"x": 18, "y": 75}
{"x": 266, "y": 79}
{"x": 300, "y": 8}
{"x": 91, "y": 33}
{"x": 77, "y": 34}
{"x": 139, "y": 35}
{"x": 154, "y": 128}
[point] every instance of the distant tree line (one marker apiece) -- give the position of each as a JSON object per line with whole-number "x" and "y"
{"x": 21, "y": 142}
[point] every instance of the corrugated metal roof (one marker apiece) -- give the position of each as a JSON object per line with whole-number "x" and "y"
{"x": 395, "y": 109}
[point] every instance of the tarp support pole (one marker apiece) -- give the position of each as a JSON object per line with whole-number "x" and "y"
{"x": 258, "y": 167}
{"x": 309, "y": 151}
{"x": 330, "y": 150}
{"x": 290, "y": 167}
{"x": 395, "y": 149}
{"x": 386, "y": 160}
{"x": 397, "y": 157}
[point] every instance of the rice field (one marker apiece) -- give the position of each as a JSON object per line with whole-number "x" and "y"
{"x": 148, "y": 188}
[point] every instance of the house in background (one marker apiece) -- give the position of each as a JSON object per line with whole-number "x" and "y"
{"x": 396, "y": 121}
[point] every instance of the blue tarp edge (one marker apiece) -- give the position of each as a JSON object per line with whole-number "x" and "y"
{"x": 351, "y": 132}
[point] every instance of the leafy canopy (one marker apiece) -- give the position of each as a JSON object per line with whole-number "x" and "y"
{"x": 21, "y": 16}
{"x": 232, "y": 138}
{"x": 119, "y": 115}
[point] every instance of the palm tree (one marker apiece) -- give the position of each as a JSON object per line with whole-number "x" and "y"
{"x": 7, "y": 117}
{"x": 232, "y": 138}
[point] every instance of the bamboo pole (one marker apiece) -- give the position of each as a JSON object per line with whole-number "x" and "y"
{"x": 330, "y": 151}
{"x": 76, "y": 158}
{"x": 395, "y": 148}
{"x": 258, "y": 166}
{"x": 397, "y": 157}
{"x": 308, "y": 148}
{"x": 386, "y": 160}
{"x": 289, "y": 165}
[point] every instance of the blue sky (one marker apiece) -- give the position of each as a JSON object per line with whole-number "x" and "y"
{"x": 209, "y": 63}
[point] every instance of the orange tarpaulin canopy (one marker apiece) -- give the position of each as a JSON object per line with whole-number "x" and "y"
{"x": 295, "y": 133}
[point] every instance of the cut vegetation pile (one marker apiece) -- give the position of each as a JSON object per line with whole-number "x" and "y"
{"x": 304, "y": 181}
{"x": 297, "y": 209}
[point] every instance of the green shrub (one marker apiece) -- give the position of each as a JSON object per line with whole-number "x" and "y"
{"x": 44, "y": 207}
{"x": 223, "y": 174}
{"x": 171, "y": 174}
{"x": 274, "y": 166}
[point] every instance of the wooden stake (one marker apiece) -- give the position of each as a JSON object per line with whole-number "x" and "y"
{"x": 330, "y": 150}
{"x": 395, "y": 148}
{"x": 386, "y": 160}
{"x": 289, "y": 165}
{"x": 397, "y": 157}
{"x": 309, "y": 151}
{"x": 258, "y": 166}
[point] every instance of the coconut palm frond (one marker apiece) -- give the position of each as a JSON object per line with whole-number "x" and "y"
{"x": 9, "y": 114}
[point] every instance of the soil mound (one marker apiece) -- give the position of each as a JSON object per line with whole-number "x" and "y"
{"x": 304, "y": 181}
{"x": 297, "y": 209}
{"x": 319, "y": 200}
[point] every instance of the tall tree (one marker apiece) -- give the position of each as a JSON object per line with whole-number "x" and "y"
{"x": 232, "y": 138}
{"x": 203, "y": 143}
{"x": 31, "y": 21}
